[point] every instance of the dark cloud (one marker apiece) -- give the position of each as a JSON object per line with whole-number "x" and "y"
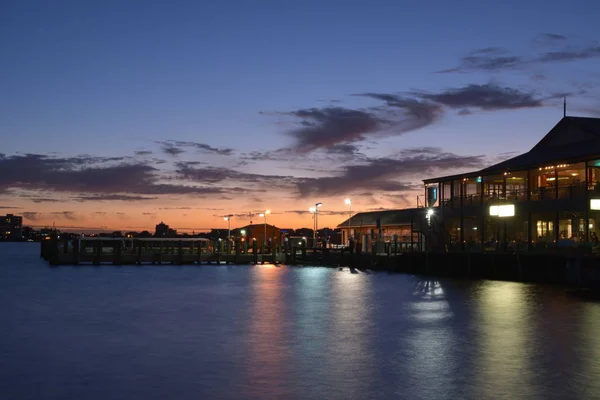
{"x": 171, "y": 149}
{"x": 488, "y": 59}
{"x": 336, "y": 130}
{"x": 496, "y": 59}
{"x": 321, "y": 212}
{"x": 76, "y": 175}
{"x": 324, "y": 127}
{"x": 32, "y": 215}
{"x": 143, "y": 153}
{"x": 9, "y": 207}
{"x": 45, "y": 200}
{"x": 113, "y": 197}
{"x": 70, "y": 215}
{"x": 176, "y": 147}
{"x": 554, "y": 36}
{"x": 408, "y": 114}
{"x": 389, "y": 174}
{"x": 208, "y": 175}
{"x": 566, "y": 55}
{"x": 550, "y": 39}
{"x": 327, "y": 127}
{"x": 487, "y": 97}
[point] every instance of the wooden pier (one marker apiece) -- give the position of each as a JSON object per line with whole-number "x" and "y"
{"x": 137, "y": 251}
{"x": 550, "y": 267}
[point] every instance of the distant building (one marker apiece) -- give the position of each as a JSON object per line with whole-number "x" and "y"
{"x": 400, "y": 226}
{"x": 257, "y": 232}
{"x": 162, "y": 230}
{"x": 11, "y": 227}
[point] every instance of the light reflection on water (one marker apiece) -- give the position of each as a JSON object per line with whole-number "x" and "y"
{"x": 249, "y": 332}
{"x": 508, "y": 337}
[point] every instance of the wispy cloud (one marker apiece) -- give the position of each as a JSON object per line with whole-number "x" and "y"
{"x": 552, "y": 48}
{"x": 80, "y": 175}
{"x": 113, "y": 197}
{"x": 32, "y": 215}
{"x": 389, "y": 174}
{"x": 488, "y": 59}
{"x": 176, "y": 147}
{"x": 489, "y": 97}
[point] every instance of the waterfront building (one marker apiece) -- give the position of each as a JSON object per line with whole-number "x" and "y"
{"x": 401, "y": 226}
{"x": 546, "y": 197}
{"x": 11, "y": 227}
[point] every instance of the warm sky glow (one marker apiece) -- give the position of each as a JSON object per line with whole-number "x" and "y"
{"x": 119, "y": 115}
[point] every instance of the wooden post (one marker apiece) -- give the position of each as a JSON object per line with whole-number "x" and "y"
{"x": 139, "y": 254}
{"x": 117, "y": 252}
{"x": 97, "y": 252}
{"x": 587, "y": 205}
{"x": 180, "y": 252}
{"x": 529, "y": 229}
{"x": 462, "y": 216}
{"x": 76, "y": 251}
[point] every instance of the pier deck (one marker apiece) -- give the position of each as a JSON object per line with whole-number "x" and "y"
{"x": 551, "y": 267}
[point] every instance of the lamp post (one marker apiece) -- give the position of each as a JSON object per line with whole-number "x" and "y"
{"x": 264, "y": 215}
{"x": 349, "y": 203}
{"x": 315, "y": 211}
{"x": 228, "y": 219}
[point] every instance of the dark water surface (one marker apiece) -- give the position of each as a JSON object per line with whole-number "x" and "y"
{"x": 251, "y": 332}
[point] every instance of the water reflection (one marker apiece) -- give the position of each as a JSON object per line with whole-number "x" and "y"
{"x": 506, "y": 335}
{"x": 311, "y": 328}
{"x": 267, "y": 364}
{"x": 350, "y": 362}
{"x": 588, "y": 349}
{"x": 429, "y": 347}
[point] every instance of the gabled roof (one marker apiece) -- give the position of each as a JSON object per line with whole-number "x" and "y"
{"x": 573, "y": 139}
{"x": 387, "y": 217}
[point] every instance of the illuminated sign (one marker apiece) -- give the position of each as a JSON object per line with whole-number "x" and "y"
{"x": 595, "y": 204}
{"x": 505, "y": 210}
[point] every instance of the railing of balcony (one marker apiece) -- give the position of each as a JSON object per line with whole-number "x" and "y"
{"x": 567, "y": 192}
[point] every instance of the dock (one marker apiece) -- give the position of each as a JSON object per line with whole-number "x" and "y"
{"x": 548, "y": 267}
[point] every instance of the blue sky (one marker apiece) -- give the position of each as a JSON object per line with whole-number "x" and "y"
{"x": 110, "y": 78}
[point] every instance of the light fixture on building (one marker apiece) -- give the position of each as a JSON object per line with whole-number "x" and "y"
{"x": 505, "y": 210}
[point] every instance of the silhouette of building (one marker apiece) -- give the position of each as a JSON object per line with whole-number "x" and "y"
{"x": 11, "y": 227}
{"x": 162, "y": 230}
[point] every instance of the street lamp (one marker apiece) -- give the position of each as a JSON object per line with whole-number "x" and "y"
{"x": 228, "y": 219}
{"x": 349, "y": 204}
{"x": 315, "y": 211}
{"x": 264, "y": 215}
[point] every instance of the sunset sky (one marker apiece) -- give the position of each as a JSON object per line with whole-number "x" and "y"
{"x": 122, "y": 114}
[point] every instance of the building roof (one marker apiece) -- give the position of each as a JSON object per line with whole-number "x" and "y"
{"x": 573, "y": 139}
{"x": 387, "y": 218}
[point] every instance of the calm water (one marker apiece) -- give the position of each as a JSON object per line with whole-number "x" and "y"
{"x": 250, "y": 332}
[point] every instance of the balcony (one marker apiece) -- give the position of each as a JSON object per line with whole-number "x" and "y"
{"x": 576, "y": 192}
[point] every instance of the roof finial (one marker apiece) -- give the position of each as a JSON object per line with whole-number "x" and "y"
{"x": 565, "y": 106}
